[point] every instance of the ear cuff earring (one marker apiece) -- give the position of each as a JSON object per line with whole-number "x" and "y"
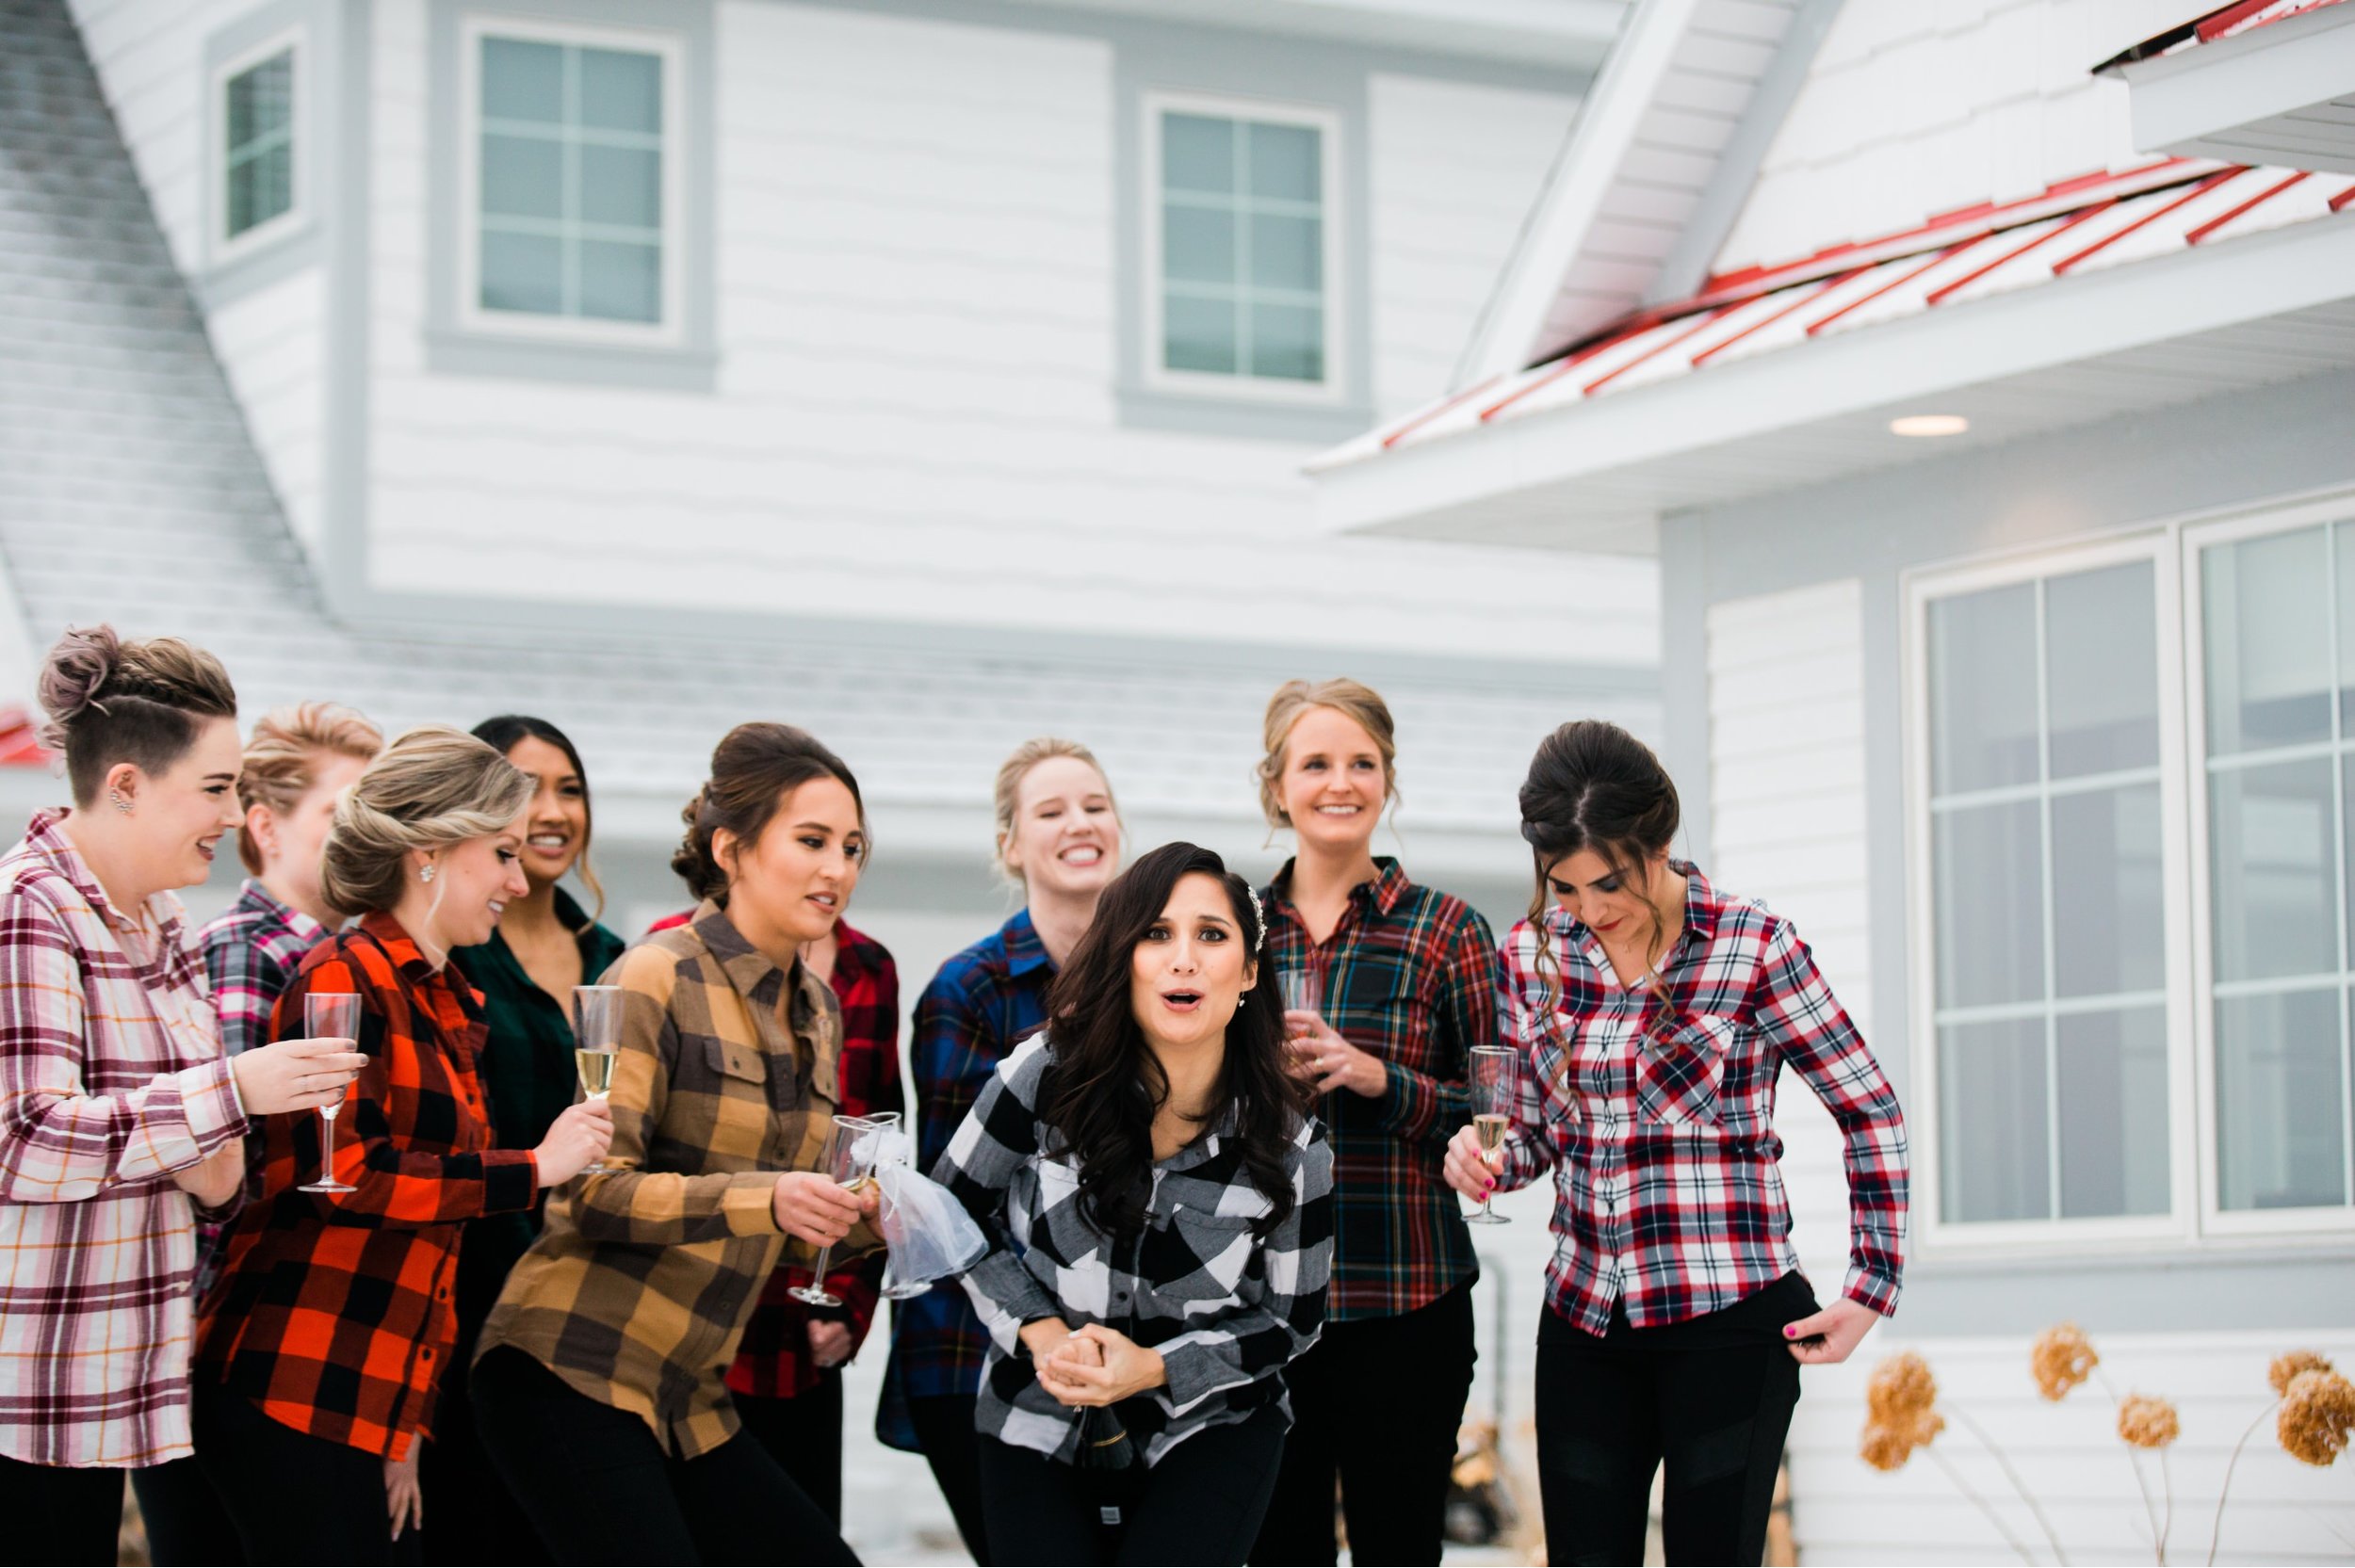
{"x": 121, "y": 802}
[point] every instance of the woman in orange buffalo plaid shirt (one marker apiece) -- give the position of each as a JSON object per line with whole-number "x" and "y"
{"x": 321, "y": 1345}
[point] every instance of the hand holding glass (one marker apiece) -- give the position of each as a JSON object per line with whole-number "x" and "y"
{"x": 849, "y": 1160}
{"x": 1492, "y": 1111}
{"x": 330, "y": 1015}
{"x": 1303, "y": 992}
{"x": 596, "y": 1044}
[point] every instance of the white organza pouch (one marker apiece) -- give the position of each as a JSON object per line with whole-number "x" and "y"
{"x": 929, "y": 1234}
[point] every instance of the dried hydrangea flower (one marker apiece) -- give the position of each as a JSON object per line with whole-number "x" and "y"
{"x": 1901, "y": 1392}
{"x": 1882, "y": 1448}
{"x": 2147, "y": 1422}
{"x": 2062, "y": 1358}
{"x": 2317, "y": 1414}
{"x": 2289, "y": 1363}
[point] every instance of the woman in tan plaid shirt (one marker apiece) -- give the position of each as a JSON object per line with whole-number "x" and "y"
{"x": 599, "y": 1385}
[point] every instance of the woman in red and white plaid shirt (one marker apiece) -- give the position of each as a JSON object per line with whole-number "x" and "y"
{"x": 1654, "y": 1015}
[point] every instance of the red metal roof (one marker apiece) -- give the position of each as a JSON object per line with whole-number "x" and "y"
{"x": 19, "y": 740}
{"x": 2225, "y": 21}
{"x": 2072, "y": 228}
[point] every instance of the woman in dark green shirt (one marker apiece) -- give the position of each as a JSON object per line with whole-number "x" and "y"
{"x": 545, "y": 944}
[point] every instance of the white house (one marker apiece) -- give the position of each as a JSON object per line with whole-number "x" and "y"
{"x": 1996, "y": 442}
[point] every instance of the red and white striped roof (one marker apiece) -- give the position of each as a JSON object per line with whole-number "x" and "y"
{"x": 2241, "y": 16}
{"x": 2075, "y": 228}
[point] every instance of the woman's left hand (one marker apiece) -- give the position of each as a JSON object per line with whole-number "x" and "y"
{"x": 1331, "y": 1062}
{"x": 1127, "y": 1368}
{"x": 829, "y": 1342}
{"x": 1830, "y": 1336}
{"x": 403, "y": 1500}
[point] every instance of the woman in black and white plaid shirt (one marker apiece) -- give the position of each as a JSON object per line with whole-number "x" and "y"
{"x": 1160, "y": 1204}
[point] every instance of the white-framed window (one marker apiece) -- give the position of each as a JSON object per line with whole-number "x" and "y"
{"x": 2130, "y": 787}
{"x": 570, "y": 203}
{"x": 1242, "y": 293}
{"x": 260, "y": 167}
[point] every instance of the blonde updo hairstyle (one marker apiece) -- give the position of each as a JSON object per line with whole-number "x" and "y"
{"x": 282, "y": 760}
{"x": 1007, "y": 796}
{"x": 1353, "y": 700}
{"x": 433, "y": 788}
{"x": 112, "y": 699}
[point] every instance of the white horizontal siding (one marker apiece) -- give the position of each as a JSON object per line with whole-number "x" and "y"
{"x": 271, "y": 344}
{"x": 1912, "y": 109}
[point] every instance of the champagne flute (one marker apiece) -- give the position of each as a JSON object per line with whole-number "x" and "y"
{"x": 849, "y": 1160}
{"x": 596, "y": 1045}
{"x": 1492, "y": 1111}
{"x": 331, "y": 1015}
{"x": 1303, "y": 990}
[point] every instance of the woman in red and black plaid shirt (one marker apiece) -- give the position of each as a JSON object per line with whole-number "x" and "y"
{"x": 1654, "y": 1015}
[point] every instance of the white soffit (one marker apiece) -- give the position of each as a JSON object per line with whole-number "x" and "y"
{"x": 2278, "y": 89}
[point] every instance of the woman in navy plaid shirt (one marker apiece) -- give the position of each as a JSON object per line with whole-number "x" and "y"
{"x": 1656, "y": 1014}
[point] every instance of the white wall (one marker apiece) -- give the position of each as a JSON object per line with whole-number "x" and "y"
{"x": 1914, "y": 108}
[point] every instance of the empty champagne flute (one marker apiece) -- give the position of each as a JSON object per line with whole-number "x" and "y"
{"x": 596, "y": 1044}
{"x": 331, "y": 1015}
{"x": 1492, "y": 1111}
{"x": 893, "y": 1287}
{"x": 1303, "y": 990}
{"x": 849, "y": 1160}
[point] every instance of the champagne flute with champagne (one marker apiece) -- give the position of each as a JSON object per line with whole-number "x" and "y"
{"x": 849, "y": 1160}
{"x": 1492, "y": 1089}
{"x": 596, "y": 1044}
{"x": 330, "y": 1015}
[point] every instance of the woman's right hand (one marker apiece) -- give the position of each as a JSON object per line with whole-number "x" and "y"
{"x": 576, "y": 1141}
{"x": 1470, "y": 1171}
{"x": 811, "y": 1208}
{"x": 295, "y": 1074}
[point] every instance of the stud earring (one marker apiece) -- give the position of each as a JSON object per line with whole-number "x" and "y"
{"x": 426, "y": 875}
{"x": 121, "y": 802}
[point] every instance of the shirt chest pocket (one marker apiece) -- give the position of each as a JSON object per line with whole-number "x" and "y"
{"x": 1679, "y": 1079}
{"x": 1203, "y": 1257}
{"x": 739, "y": 1085}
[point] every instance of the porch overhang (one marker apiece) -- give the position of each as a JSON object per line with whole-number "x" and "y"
{"x": 2263, "y": 81}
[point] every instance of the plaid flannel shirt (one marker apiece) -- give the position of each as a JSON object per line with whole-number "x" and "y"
{"x": 333, "y": 1313}
{"x": 636, "y": 1292}
{"x": 1410, "y": 977}
{"x": 1658, "y": 1121}
{"x": 1227, "y": 1309}
{"x": 251, "y": 952}
{"x": 985, "y": 1002}
{"x": 111, "y": 1078}
{"x": 774, "y": 1359}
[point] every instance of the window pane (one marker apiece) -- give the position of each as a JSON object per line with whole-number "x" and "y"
{"x": 2113, "y": 1102}
{"x": 523, "y": 176}
{"x": 2108, "y": 897}
{"x": 1288, "y": 343}
{"x": 1284, "y": 162}
{"x": 1198, "y": 244}
{"x": 1197, "y": 152}
{"x": 2280, "y": 1125}
{"x": 1200, "y": 333}
{"x": 621, "y": 90}
{"x": 523, "y": 81}
{"x": 1287, "y": 252}
{"x": 621, "y": 185}
{"x": 1983, "y": 689}
{"x": 261, "y": 101}
{"x": 621, "y": 283}
{"x": 2102, "y": 658}
{"x": 2267, "y": 603}
{"x": 2271, "y": 851}
{"x": 523, "y": 272}
{"x": 260, "y": 188}
{"x": 1993, "y": 1141}
{"x": 1990, "y": 915}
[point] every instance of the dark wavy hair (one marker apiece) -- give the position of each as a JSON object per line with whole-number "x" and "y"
{"x": 1592, "y": 785}
{"x": 1106, "y": 1085}
{"x": 502, "y": 732}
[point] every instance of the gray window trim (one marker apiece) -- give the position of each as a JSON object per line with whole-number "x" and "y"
{"x": 255, "y": 261}
{"x": 688, "y": 361}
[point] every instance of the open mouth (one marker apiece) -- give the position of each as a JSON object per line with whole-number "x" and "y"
{"x": 826, "y": 902}
{"x": 550, "y": 844}
{"x": 208, "y": 847}
{"x": 497, "y": 909}
{"x": 1339, "y": 811}
{"x": 1181, "y": 1001}
{"x": 1081, "y": 854}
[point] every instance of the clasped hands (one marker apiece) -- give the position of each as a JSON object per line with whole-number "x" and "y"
{"x": 1091, "y": 1365}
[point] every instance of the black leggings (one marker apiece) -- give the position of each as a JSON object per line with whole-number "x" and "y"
{"x": 599, "y": 1488}
{"x": 58, "y": 1514}
{"x": 187, "y": 1525}
{"x": 803, "y": 1435}
{"x": 294, "y": 1499}
{"x": 1712, "y": 1396}
{"x": 944, "y": 1430}
{"x": 1201, "y": 1504}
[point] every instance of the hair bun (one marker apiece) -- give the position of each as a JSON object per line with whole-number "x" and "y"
{"x": 76, "y": 670}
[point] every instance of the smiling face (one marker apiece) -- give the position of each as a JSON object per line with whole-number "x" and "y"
{"x": 474, "y": 881}
{"x": 1614, "y": 908}
{"x": 179, "y": 816}
{"x": 1332, "y": 785}
{"x": 291, "y": 841}
{"x": 1191, "y": 970}
{"x": 791, "y": 884}
{"x": 556, "y": 824}
{"x": 1065, "y": 838}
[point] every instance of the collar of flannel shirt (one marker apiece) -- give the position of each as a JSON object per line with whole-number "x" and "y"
{"x": 758, "y": 979}
{"x": 1389, "y": 884}
{"x": 1025, "y": 951}
{"x": 44, "y": 836}
{"x": 260, "y": 903}
{"x": 856, "y": 956}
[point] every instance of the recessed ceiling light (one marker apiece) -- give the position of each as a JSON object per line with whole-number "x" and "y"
{"x": 1929, "y": 424}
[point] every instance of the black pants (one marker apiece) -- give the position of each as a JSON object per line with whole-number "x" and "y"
{"x": 803, "y": 1435}
{"x": 944, "y": 1430}
{"x": 187, "y": 1526}
{"x": 470, "y": 1516}
{"x": 61, "y": 1515}
{"x": 1712, "y": 1396}
{"x": 1201, "y": 1504}
{"x": 1376, "y": 1403}
{"x": 599, "y": 1488}
{"x": 294, "y": 1499}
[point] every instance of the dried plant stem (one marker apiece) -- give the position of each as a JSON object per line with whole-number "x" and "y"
{"x": 2215, "y": 1533}
{"x": 1985, "y": 1507}
{"x": 2150, "y": 1509}
{"x": 2009, "y": 1474}
{"x": 2166, "y": 1501}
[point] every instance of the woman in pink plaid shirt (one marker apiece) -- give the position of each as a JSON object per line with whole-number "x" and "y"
{"x": 1654, "y": 1015}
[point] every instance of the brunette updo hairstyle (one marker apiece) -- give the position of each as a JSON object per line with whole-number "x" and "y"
{"x": 112, "y": 701}
{"x": 1353, "y": 700}
{"x": 282, "y": 760}
{"x": 505, "y": 733}
{"x": 431, "y": 788}
{"x": 753, "y": 770}
{"x": 1592, "y": 785}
